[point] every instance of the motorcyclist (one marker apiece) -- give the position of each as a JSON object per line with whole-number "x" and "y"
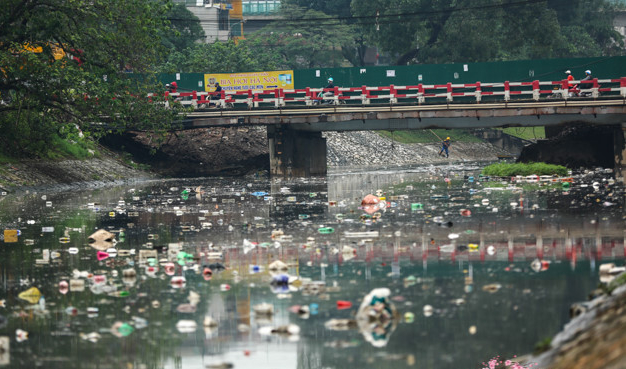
{"x": 331, "y": 85}
{"x": 570, "y": 79}
{"x": 588, "y": 78}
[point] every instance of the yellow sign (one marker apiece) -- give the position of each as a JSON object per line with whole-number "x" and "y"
{"x": 249, "y": 81}
{"x": 10, "y": 235}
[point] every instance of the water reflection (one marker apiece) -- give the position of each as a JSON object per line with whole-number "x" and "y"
{"x": 474, "y": 269}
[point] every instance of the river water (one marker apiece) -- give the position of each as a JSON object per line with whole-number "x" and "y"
{"x": 464, "y": 268}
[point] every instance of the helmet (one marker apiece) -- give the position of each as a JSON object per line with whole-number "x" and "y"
{"x": 330, "y": 79}
{"x": 587, "y": 71}
{"x": 447, "y": 138}
{"x": 174, "y": 84}
{"x": 568, "y": 72}
{"x": 167, "y": 85}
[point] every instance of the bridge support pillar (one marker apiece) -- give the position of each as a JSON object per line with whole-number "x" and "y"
{"x": 620, "y": 152}
{"x": 296, "y": 153}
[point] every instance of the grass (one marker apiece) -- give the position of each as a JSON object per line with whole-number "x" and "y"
{"x": 5, "y": 159}
{"x": 526, "y": 133}
{"x": 64, "y": 149}
{"x": 618, "y": 281}
{"x": 524, "y": 169}
{"x": 427, "y": 136}
{"x": 542, "y": 346}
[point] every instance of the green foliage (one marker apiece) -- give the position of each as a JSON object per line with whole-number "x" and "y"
{"x": 425, "y": 136}
{"x": 44, "y": 97}
{"x": 428, "y": 31}
{"x": 523, "y": 169}
{"x": 184, "y": 29}
{"x": 620, "y": 280}
{"x": 220, "y": 57}
{"x": 542, "y": 346}
{"x": 304, "y": 38}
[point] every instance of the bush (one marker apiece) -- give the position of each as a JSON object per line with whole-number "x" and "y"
{"x": 523, "y": 169}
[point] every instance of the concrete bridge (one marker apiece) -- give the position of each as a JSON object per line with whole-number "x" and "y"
{"x": 295, "y": 119}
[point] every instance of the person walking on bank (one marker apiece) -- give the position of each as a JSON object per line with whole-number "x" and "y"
{"x": 445, "y": 144}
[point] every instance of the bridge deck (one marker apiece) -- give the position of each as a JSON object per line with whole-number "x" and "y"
{"x": 605, "y": 110}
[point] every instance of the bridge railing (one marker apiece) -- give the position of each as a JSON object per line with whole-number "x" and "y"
{"x": 414, "y": 94}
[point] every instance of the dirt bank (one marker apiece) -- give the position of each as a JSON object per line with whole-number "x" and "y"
{"x": 238, "y": 151}
{"x": 105, "y": 169}
{"x": 226, "y": 151}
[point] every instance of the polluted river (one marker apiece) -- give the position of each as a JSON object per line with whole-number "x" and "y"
{"x": 429, "y": 267}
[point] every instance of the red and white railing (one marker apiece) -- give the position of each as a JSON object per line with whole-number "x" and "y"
{"x": 417, "y": 94}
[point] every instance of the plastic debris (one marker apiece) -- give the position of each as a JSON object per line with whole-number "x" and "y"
{"x": 428, "y": 310}
{"x": 10, "y": 235}
{"x": 284, "y": 330}
{"x": 377, "y": 317}
{"x": 325, "y": 230}
{"x": 539, "y": 265}
{"x": 492, "y": 288}
{"x": 341, "y": 324}
{"x": 409, "y": 317}
{"x": 609, "y": 271}
{"x": 21, "y": 335}
{"x": 342, "y": 305}
{"x": 93, "y": 337}
{"x": 5, "y": 350}
{"x": 186, "y": 326}
{"x": 32, "y": 295}
{"x": 178, "y": 282}
{"x": 120, "y": 329}
{"x": 263, "y": 309}
{"x": 101, "y": 255}
{"x": 278, "y": 266}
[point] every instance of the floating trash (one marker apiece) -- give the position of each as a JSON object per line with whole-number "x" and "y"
{"x": 492, "y": 288}
{"x": 325, "y": 230}
{"x": 377, "y": 317}
{"x": 21, "y": 335}
{"x": 32, "y": 295}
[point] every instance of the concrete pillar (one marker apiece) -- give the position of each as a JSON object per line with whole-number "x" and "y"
{"x": 619, "y": 138}
{"x": 296, "y": 153}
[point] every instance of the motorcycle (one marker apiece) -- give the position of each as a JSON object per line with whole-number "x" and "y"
{"x": 327, "y": 99}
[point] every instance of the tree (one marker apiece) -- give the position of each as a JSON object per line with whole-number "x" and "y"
{"x": 440, "y": 31}
{"x": 47, "y": 98}
{"x": 355, "y": 50}
{"x": 304, "y": 38}
{"x": 184, "y": 29}
{"x": 220, "y": 57}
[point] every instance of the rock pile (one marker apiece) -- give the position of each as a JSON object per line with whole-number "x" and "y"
{"x": 369, "y": 148}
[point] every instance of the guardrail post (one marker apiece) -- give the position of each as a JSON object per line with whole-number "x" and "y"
{"x": 420, "y": 94}
{"x": 249, "y": 99}
{"x": 595, "y": 90}
{"x": 365, "y": 95}
{"x": 564, "y": 89}
{"x": 536, "y": 91}
{"x": 449, "y": 92}
{"x": 256, "y": 100}
{"x": 622, "y": 87}
{"x": 278, "y": 102}
{"x": 336, "y": 95}
{"x": 392, "y": 95}
{"x": 478, "y": 92}
{"x": 507, "y": 91}
{"x": 194, "y": 99}
{"x": 223, "y": 99}
{"x": 307, "y": 97}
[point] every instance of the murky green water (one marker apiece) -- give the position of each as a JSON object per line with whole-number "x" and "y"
{"x": 474, "y": 270}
